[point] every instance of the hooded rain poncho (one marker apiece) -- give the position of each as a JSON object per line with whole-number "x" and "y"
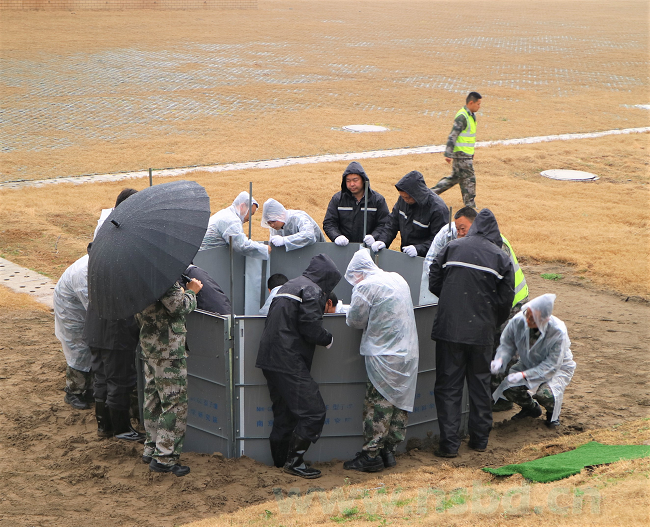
{"x": 229, "y": 222}
{"x": 549, "y": 360}
{"x": 381, "y": 306}
{"x": 299, "y": 230}
{"x": 70, "y": 305}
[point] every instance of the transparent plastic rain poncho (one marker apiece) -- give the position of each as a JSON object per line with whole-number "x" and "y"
{"x": 70, "y": 304}
{"x": 381, "y": 306}
{"x": 299, "y": 230}
{"x": 229, "y": 222}
{"x": 549, "y": 360}
{"x": 439, "y": 242}
{"x": 102, "y": 218}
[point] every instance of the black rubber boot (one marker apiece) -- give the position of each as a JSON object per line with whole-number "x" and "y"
{"x": 279, "y": 451}
{"x": 104, "y": 425}
{"x": 535, "y": 411}
{"x": 120, "y": 420}
{"x": 388, "y": 457}
{"x": 364, "y": 463}
{"x": 295, "y": 464}
{"x": 76, "y": 401}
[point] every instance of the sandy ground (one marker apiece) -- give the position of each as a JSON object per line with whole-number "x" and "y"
{"x": 55, "y": 470}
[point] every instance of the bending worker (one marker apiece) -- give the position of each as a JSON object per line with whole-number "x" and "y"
{"x": 292, "y": 228}
{"x": 229, "y": 222}
{"x": 417, "y": 215}
{"x": 343, "y": 221}
{"x": 381, "y": 306}
{"x": 460, "y": 151}
{"x": 545, "y": 364}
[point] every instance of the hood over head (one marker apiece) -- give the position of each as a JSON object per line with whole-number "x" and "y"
{"x": 486, "y": 225}
{"x": 323, "y": 272}
{"x": 354, "y": 168}
{"x": 541, "y": 309}
{"x": 273, "y": 211}
{"x": 240, "y": 205}
{"x": 414, "y": 185}
{"x": 360, "y": 267}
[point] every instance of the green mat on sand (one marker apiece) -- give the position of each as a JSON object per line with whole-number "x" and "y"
{"x": 559, "y": 466}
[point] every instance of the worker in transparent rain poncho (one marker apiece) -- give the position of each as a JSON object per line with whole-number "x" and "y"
{"x": 381, "y": 306}
{"x": 229, "y": 222}
{"x": 545, "y": 365}
{"x": 292, "y": 228}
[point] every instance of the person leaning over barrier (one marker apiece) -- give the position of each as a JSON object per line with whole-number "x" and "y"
{"x": 125, "y": 193}
{"x": 274, "y": 283}
{"x": 344, "y": 221}
{"x": 545, "y": 364}
{"x": 228, "y": 223}
{"x": 417, "y": 215}
{"x": 293, "y": 329}
{"x": 381, "y": 306}
{"x": 292, "y": 228}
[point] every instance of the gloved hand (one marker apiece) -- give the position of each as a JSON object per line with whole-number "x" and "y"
{"x": 378, "y": 246}
{"x": 368, "y": 240}
{"x": 515, "y": 377}
{"x": 330, "y": 344}
{"x": 341, "y": 241}
{"x": 410, "y": 250}
{"x": 277, "y": 240}
{"x": 495, "y": 366}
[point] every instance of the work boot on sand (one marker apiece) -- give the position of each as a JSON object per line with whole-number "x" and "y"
{"x": 535, "y": 411}
{"x": 295, "y": 463}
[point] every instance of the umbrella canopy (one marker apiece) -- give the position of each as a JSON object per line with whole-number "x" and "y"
{"x": 145, "y": 245}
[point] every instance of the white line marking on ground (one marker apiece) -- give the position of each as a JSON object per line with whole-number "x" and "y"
{"x": 276, "y": 163}
{"x": 23, "y": 280}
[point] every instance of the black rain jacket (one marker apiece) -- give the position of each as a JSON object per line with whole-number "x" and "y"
{"x": 211, "y": 298}
{"x": 116, "y": 335}
{"x": 294, "y": 325}
{"x": 344, "y": 215}
{"x": 474, "y": 280}
{"x": 417, "y": 223}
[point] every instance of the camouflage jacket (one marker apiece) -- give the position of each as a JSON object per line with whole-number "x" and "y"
{"x": 460, "y": 123}
{"x": 162, "y": 324}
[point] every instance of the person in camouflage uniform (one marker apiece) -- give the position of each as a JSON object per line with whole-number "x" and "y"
{"x": 162, "y": 339}
{"x": 460, "y": 153}
{"x": 384, "y": 425}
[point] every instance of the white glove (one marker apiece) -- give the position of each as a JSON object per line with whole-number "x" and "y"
{"x": 515, "y": 377}
{"x": 330, "y": 344}
{"x": 495, "y": 366}
{"x": 341, "y": 241}
{"x": 368, "y": 240}
{"x": 410, "y": 250}
{"x": 378, "y": 246}
{"x": 277, "y": 240}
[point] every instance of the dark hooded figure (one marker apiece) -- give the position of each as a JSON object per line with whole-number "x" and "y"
{"x": 211, "y": 298}
{"x": 294, "y": 326}
{"x": 418, "y": 215}
{"x": 344, "y": 216}
{"x": 474, "y": 280}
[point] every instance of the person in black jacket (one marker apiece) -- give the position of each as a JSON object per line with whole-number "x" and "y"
{"x": 343, "y": 221}
{"x": 474, "y": 280}
{"x": 211, "y": 298}
{"x": 294, "y": 326}
{"x": 418, "y": 215}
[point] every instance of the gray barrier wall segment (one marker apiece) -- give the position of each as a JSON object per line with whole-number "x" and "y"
{"x": 209, "y": 420}
{"x": 216, "y": 262}
{"x": 410, "y": 268}
{"x": 253, "y": 279}
{"x": 293, "y": 263}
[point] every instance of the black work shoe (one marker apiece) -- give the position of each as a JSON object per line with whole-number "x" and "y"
{"x": 146, "y": 459}
{"x": 535, "y": 411}
{"x": 443, "y": 453}
{"x": 177, "y": 469}
{"x": 476, "y": 447}
{"x": 502, "y": 405}
{"x": 103, "y": 416}
{"x": 364, "y": 463}
{"x": 388, "y": 457}
{"x": 76, "y": 401}
{"x": 549, "y": 422}
{"x": 295, "y": 463}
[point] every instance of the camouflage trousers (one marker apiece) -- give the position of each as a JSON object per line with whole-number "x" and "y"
{"x": 384, "y": 425}
{"x": 544, "y": 396}
{"x": 462, "y": 173}
{"x": 165, "y": 408}
{"x": 77, "y": 381}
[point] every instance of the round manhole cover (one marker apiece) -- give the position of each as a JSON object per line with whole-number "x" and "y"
{"x": 569, "y": 175}
{"x": 364, "y": 128}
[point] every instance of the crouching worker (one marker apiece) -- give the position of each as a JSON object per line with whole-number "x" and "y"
{"x": 162, "y": 339}
{"x": 294, "y": 326}
{"x": 545, "y": 365}
{"x": 381, "y": 306}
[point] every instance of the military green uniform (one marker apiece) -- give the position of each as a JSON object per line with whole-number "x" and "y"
{"x": 384, "y": 425}
{"x": 462, "y": 166}
{"x": 162, "y": 339}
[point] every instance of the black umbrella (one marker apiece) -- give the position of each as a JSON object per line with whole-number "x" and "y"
{"x": 145, "y": 245}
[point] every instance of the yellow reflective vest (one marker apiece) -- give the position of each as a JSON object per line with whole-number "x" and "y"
{"x": 467, "y": 138}
{"x": 521, "y": 288}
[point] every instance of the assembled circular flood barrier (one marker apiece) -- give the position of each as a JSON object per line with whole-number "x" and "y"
{"x": 569, "y": 175}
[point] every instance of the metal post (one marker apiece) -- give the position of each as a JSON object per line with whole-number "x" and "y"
{"x": 365, "y": 209}
{"x": 231, "y": 351}
{"x": 150, "y": 178}
{"x": 449, "y": 233}
{"x": 250, "y": 209}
